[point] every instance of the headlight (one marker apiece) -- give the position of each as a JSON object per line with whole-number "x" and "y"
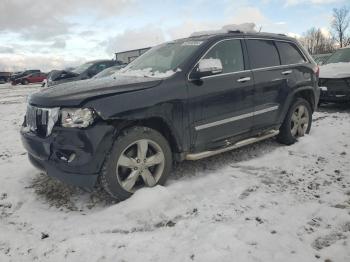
{"x": 77, "y": 117}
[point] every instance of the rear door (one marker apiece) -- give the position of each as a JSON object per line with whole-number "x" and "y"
{"x": 293, "y": 62}
{"x": 271, "y": 81}
{"x": 222, "y": 104}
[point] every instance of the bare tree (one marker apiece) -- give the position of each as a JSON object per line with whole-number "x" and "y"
{"x": 316, "y": 42}
{"x": 340, "y": 24}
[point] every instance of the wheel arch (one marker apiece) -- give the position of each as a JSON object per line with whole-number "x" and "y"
{"x": 305, "y": 92}
{"x": 157, "y": 123}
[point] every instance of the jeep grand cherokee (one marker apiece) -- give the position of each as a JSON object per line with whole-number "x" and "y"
{"x": 182, "y": 100}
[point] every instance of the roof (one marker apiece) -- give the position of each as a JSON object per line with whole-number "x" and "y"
{"x": 206, "y": 35}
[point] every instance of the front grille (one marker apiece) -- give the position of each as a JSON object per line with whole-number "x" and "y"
{"x": 335, "y": 84}
{"x": 41, "y": 120}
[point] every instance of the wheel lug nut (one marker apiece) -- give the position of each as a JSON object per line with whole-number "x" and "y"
{"x": 138, "y": 161}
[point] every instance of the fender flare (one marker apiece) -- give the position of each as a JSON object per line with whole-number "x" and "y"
{"x": 297, "y": 93}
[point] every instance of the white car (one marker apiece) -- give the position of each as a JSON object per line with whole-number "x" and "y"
{"x": 334, "y": 78}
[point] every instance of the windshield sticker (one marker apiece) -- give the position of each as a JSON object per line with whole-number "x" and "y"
{"x": 192, "y": 43}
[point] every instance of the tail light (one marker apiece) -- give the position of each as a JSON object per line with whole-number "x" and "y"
{"x": 317, "y": 71}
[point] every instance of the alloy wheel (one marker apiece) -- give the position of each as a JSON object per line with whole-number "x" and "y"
{"x": 300, "y": 121}
{"x": 140, "y": 164}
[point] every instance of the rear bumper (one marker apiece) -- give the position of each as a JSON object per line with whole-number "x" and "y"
{"x": 74, "y": 156}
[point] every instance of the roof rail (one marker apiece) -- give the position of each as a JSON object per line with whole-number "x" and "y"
{"x": 235, "y": 31}
{"x": 241, "y": 28}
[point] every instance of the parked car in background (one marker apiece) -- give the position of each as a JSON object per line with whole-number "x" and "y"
{"x": 109, "y": 71}
{"x": 33, "y": 78}
{"x": 183, "y": 100}
{"x": 84, "y": 71}
{"x": 321, "y": 58}
{"x": 4, "y": 77}
{"x": 23, "y": 73}
{"x": 335, "y": 77}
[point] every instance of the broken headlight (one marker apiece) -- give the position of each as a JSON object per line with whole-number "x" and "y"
{"x": 77, "y": 117}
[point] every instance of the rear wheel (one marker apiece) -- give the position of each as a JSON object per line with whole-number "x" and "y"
{"x": 25, "y": 82}
{"x": 140, "y": 157}
{"x": 297, "y": 122}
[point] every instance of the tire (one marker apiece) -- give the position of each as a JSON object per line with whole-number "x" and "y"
{"x": 25, "y": 82}
{"x": 124, "y": 170}
{"x": 297, "y": 126}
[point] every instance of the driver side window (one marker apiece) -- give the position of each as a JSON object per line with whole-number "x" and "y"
{"x": 229, "y": 52}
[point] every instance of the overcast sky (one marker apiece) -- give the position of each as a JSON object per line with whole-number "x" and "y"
{"x": 47, "y": 34}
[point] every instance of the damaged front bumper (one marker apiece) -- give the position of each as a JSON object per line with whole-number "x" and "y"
{"x": 72, "y": 155}
{"x": 335, "y": 90}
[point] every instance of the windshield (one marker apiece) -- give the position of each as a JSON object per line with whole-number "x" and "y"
{"x": 163, "y": 60}
{"x": 109, "y": 71}
{"x": 80, "y": 69}
{"x": 340, "y": 56}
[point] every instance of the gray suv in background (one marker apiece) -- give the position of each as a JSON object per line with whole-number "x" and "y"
{"x": 84, "y": 71}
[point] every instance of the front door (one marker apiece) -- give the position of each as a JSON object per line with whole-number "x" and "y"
{"x": 221, "y": 105}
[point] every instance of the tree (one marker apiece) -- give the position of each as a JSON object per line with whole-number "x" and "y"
{"x": 340, "y": 25}
{"x": 316, "y": 42}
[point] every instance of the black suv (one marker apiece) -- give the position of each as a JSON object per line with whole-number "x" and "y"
{"x": 182, "y": 100}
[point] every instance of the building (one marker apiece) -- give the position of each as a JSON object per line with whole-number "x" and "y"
{"x": 128, "y": 56}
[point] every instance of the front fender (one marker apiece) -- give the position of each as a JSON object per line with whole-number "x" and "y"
{"x": 165, "y": 102}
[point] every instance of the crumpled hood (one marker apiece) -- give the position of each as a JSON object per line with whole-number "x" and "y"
{"x": 75, "y": 93}
{"x": 335, "y": 70}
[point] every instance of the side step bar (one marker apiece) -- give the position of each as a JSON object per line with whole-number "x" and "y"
{"x": 239, "y": 144}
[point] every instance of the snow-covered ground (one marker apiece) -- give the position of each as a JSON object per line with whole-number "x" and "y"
{"x": 265, "y": 202}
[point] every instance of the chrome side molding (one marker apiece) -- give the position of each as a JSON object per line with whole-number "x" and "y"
{"x": 239, "y": 144}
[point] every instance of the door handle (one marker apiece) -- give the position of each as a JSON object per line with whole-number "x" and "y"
{"x": 243, "y": 79}
{"x": 288, "y": 72}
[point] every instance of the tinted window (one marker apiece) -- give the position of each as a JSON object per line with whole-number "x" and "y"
{"x": 289, "y": 53}
{"x": 230, "y": 54}
{"x": 101, "y": 66}
{"x": 262, "y": 53}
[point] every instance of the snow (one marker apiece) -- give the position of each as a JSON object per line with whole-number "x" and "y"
{"x": 147, "y": 72}
{"x": 335, "y": 70}
{"x": 245, "y": 28}
{"x": 264, "y": 202}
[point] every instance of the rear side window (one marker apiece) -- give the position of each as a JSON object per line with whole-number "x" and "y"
{"x": 230, "y": 54}
{"x": 289, "y": 53}
{"x": 262, "y": 53}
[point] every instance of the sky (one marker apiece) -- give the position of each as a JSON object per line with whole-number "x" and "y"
{"x": 54, "y": 34}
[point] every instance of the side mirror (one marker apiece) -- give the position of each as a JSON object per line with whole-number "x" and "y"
{"x": 207, "y": 67}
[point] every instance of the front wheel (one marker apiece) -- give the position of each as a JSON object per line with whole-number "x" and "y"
{"x": 297, "y": 122}
{"x": 140, "y": 157}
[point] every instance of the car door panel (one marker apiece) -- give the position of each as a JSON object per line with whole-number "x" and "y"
{"x": 221, "y": 105}
{"x": 271, "y": 81}
{"x": 224, "y": 112}
{"x": 271, "y": 89}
